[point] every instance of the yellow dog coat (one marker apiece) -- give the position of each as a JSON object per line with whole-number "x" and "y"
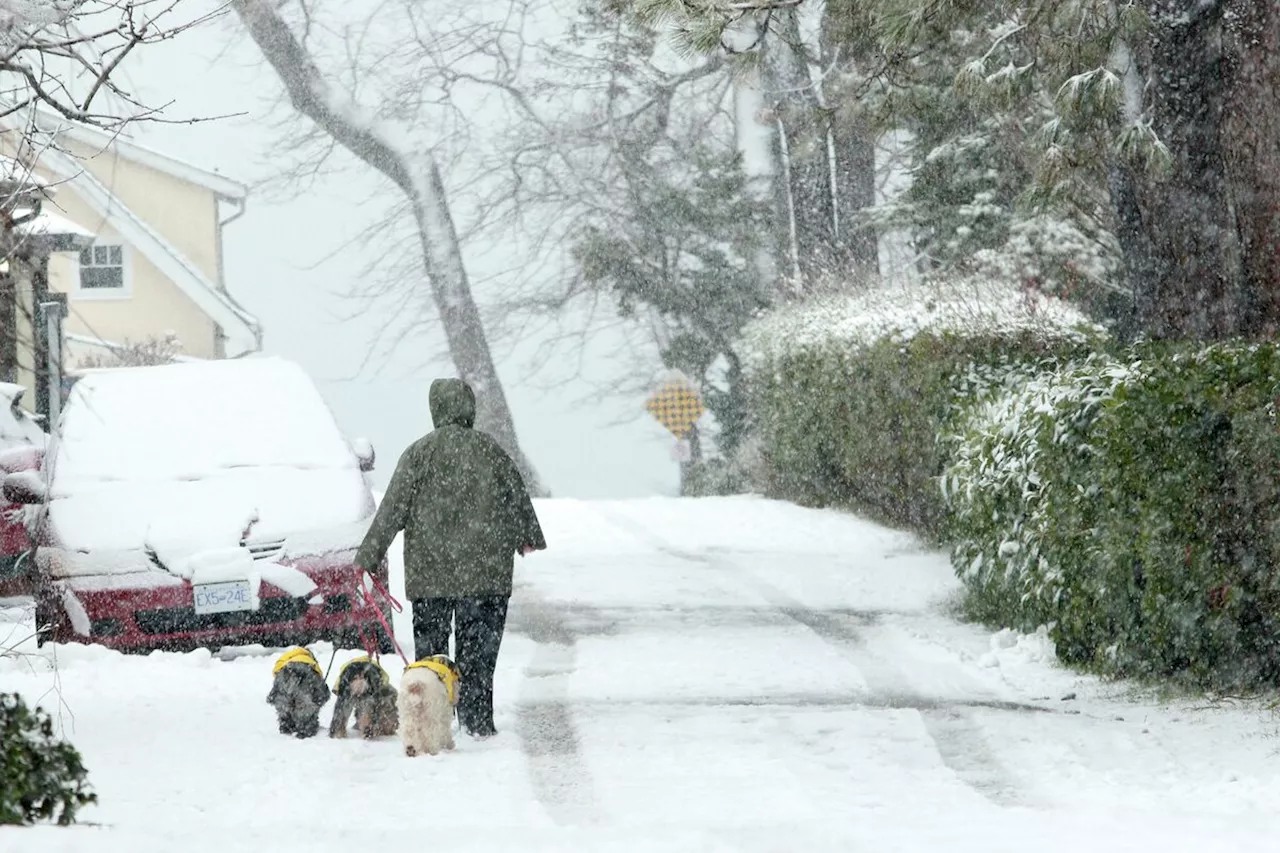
{"x": 386, "y": 679}
{"x": 442, "y": 667}
{"x": 297, "y": 655}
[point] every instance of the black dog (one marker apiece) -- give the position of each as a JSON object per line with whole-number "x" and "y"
{"x": 365, "y": 690}
{"x": 298, "y": 693}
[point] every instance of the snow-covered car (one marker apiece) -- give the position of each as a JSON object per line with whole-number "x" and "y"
{"x": 22, "y": 444}
{"x": 199, "y": 504}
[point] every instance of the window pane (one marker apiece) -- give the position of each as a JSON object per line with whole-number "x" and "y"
{"x": 117, "y": 255}
{"x": 101, "y": 278}
{"x": 86, "y": 257}
{"x": 100, "y": 255}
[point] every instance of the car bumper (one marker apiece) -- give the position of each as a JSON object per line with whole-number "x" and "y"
{"x": 163, "y": 617}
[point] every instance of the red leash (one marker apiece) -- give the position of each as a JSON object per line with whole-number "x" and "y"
{"x": 370, "y": 603}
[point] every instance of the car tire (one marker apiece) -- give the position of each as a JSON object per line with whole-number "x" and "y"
{"x": 45, "y": 620}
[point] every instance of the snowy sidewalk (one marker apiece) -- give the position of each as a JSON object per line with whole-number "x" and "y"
{"x": 727, "y": 674}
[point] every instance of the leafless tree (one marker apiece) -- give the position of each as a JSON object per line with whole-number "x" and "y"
{"x": 62, "y": 56}
{"x": 387, "y": 144}
{"x": 60, "y": 63}
{"x": 145, "y": 353}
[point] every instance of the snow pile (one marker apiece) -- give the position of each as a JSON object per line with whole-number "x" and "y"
{"x": 1010, "y": 647}
{"x": 193, "y": 457}
{"x": 850, "y": 322}
{"x": 17, "y": 427}
{"x": 186, "y": 421}
{"x": 220, "y": 566}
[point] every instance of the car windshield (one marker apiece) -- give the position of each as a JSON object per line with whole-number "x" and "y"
{"x": 188, "y": 422}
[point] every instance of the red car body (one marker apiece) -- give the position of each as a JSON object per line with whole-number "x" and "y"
{"x": 146, "y": 618}
{"x": 126, "y": 596}
{"x": 22, "y": 443}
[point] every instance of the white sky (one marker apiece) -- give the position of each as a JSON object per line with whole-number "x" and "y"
{"x": 273, "y": 263}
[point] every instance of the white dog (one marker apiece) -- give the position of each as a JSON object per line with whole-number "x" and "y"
{"x": 428, "y": 694}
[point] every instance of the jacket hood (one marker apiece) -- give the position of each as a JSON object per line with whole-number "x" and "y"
{"x": 453, "y": 403}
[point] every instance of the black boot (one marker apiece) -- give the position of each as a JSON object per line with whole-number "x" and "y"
{"x": 481, "y": 622}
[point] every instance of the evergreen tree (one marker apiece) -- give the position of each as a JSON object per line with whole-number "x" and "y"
{"x": 682, "y": 249}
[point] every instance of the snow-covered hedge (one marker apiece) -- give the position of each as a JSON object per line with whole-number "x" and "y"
{"x": 850, "y": 393}
{"x": 1132, "y": 504}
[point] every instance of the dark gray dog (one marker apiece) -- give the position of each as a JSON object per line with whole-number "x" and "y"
{"x": 298, "y": 693}
{"x": 364, "y": 690}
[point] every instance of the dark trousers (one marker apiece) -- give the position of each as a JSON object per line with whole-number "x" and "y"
{"x": 478, "y": 625}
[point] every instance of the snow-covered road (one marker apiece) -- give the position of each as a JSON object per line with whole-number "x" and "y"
{"x": 721, "y": 675}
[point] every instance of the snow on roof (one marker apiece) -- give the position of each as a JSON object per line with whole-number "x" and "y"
{"x": 50, "y": 223}
{"x": 115, "y": 141}
{"x": 220, "y": 184}
{"x": 16, "y": 170}
{"x": 240, "y": 327}
{"x": 858, "y": 320}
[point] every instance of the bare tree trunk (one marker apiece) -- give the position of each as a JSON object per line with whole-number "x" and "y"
{"x": 807, "y": 197}
{"x": 1251, "y": 143}
{"x": 853, "y": 156}
{"x": 417, "y": 174}
{"x": 757, "y": 143}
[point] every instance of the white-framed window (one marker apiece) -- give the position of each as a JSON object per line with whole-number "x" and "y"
{"x": 102, "y": 270}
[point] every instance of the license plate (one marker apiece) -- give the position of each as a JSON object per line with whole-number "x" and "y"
{"x": 222, "y": 597}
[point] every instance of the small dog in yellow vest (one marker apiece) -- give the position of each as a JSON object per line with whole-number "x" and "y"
{"x": 428, "y": 694}
{"x": 298, "y": 692}
{"x": 364, "y": 691}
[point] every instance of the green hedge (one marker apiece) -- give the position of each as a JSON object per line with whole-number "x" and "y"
{"x": 849, "y": 396}
{"x": 1134, "y": 506}
{"x": 41, "y": 777}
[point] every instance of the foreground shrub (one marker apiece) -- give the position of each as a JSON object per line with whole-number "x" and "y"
{"x": 41, "y": 778}
{"x": 1134, "y": 506}
{"x": 851, "y": 393}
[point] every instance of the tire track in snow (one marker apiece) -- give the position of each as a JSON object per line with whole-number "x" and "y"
{"x": 544, "y": 719}
{"x": 957, "y": 736}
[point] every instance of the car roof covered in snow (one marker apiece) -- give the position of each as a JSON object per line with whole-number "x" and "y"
{"x": 188, "y": 457}
{"x": 186, "y": 421}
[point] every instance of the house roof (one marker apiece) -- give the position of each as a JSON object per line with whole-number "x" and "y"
{"x": 241, "y": 328}
{"x": 216, "y": 182}
{"x": 61, "y": 234}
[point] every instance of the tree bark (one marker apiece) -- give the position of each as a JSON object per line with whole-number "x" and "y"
{"x": 809, "y": 198}
{"x": 852, "y": 144}
{"x": 1251, "y": 149}
{"x": 417, "y": 175}
{"x": 1196, "y": 288}
{"x": 853, "y": 153}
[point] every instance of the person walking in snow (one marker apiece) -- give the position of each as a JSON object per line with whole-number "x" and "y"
{"x": 465, "y": 513}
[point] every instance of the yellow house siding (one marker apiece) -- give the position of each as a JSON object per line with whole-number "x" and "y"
{"x": 183, "y": 213}
{"x": 153, "y": 305}
{"x": 153, "y": 308}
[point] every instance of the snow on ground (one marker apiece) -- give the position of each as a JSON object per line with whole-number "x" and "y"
{"x": 720, "y": 675}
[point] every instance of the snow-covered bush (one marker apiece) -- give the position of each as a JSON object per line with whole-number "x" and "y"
{"x": 1132, "y": 504}
{"x": 852, "y": 392}
{"x": 738, "y": 472}
{"x": 43, "y": 777}
{"x": 1017, "y": 484}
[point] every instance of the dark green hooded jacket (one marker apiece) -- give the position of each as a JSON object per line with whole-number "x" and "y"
{"x": 461, "y": 503}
